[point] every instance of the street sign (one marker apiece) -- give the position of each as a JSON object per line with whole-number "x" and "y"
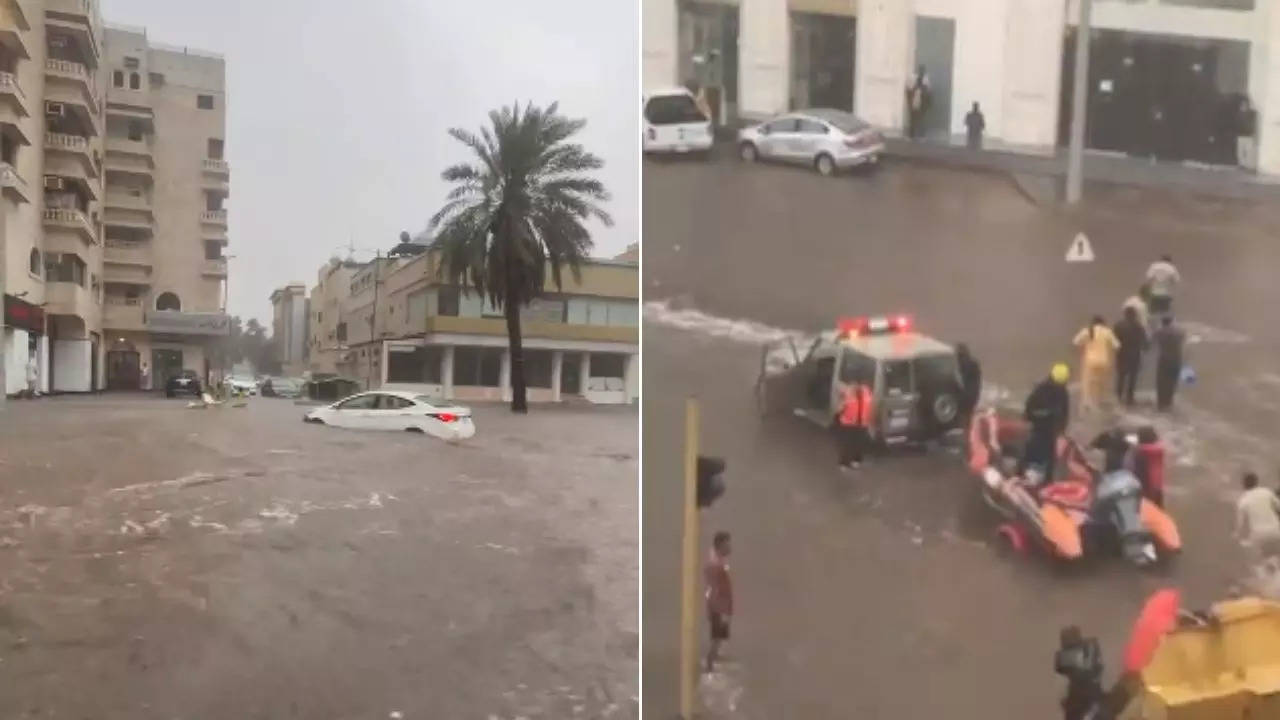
{"x": 1080, "y": 250}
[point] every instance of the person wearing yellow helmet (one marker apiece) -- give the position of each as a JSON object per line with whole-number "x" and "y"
{"x": 1048, "y": 409}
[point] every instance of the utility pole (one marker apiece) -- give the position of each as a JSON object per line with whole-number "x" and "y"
{"x": 373, "y": 319}
{"x": 1079, "y": 99}
{"x": 689, "y": 567}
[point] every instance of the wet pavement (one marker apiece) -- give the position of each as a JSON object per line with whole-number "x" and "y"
{"x": 159, "y": 562}
{"x": 880, "y": 594}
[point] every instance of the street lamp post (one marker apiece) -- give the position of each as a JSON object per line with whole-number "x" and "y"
{"x": 1079, "y": 98}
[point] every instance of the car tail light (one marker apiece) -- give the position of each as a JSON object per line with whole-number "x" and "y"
{"x": 445, "y": 417}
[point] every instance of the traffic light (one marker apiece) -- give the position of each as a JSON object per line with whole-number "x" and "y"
{"x": 710, "y": 480}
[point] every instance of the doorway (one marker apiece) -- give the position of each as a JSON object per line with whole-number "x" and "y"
{"x": 822, "y": 61}
{"x": 124, "y": 369}
{"x": 935, "y": 51}
{"x": 708, "y": 48}
{"x": 571, "y": 374}
{"x": 165, "y": 364}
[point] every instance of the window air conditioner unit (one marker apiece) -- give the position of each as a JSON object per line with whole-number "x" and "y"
{"x": 53, "y": 182}
{"x": 55, "y": 109}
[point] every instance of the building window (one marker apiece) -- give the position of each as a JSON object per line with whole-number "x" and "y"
{"x": 34, "y": 265}
{"x": 477, "y": 366}
{"x": 65, "y": 268}
{"x": 448, "y": 302}
{"x": 204, "y": 102}
{"x": 420, "y": 366}
{"x": 215, "y": 148}
{"x": 155, "y": 79}
{"x": 132, "y": 63}
{"x": 168, "y": 301}
{"x": 537, "y": 368}
{"x": 117, "y": 78}
{"x": 135, "y": 131}
{"x": 8, "y": 150}
{"x": 607, "y": 365}
{"x": 135, "y": 81}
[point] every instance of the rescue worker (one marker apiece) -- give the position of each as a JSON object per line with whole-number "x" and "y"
{"x": 1079, "y": 660}
{"x": 1132, "y": 336}
{"x": 1258, "y": 519}
{"x": 853, "y": 433}
{"x": 1048, "y": 409}
{"x": 970, "y": 382}
{"x": 1169, "y": 340}
{"x": 1098, "y": 346}
{"x": 1149, "y": 465}
{"x": 1138, "y": 304}
{"x": 1162, "y": 278}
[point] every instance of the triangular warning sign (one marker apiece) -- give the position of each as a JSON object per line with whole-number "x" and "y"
{"x": 1080, "y": 250}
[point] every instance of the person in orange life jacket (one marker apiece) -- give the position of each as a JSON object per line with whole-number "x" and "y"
{"x": 1149, "y": 465}
{"x": 854, "y": 424}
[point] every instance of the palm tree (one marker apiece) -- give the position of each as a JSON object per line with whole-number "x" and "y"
{"x": 517, "y": 211}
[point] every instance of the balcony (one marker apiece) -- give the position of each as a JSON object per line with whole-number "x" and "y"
{"x": 122, "y": 313}
{"x": 68, "y": 298}
{"x": 214, "y": 166}
{"x": 215, "y": 233}
{"x": 216, "y": 186}
{"x": 137, "y": 222}
{"x": 13, "y": 22}
{"x": 68, "y": 156}
{"x": 14, "y": 101}
{"x": 127, "y": 252}
{"x": 12, "y": 184}
{"x": 217, "y": 218}
{"x": 73, "y": 75}
{"x": 215, "y": 268}
{"x": 81, "y": 20}
{"x": 130, "y": 157}
{"x": 139, "y": 203}
{"x": 126, "y": 274}
{"x": 72, "y": 221}
{"x": 174, "y": 322}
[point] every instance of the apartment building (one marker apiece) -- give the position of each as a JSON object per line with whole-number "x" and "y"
{"x": 405, "y": 328}
{"x": 289, "y": 317}
{"x": 165, "y": 223}
{"x": 1168, "y": 78}
{"x": 327, "y": 329}
{"x": 112, "y": 233}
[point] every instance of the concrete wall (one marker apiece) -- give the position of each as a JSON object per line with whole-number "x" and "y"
{"x": 659, "y": 39}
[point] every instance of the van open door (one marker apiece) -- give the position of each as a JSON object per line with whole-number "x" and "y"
{"x": 780, "y": 384}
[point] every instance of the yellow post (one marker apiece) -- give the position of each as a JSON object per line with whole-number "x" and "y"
{"x": 689, "y": 566}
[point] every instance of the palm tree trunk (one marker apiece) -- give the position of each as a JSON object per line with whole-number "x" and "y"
{"x": 519, "y": 400}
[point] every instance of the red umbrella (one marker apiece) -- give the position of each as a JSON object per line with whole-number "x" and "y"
{"x": 1159, "y": 615}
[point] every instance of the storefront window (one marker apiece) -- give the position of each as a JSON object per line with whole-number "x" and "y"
{"x": 476, "y": 366}
{"x": 537, "y": 368}
{"x": 421, "y": 365}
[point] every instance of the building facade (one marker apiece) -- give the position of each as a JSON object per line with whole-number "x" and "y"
{"x": 108, "y": 280}
{"x": 289, "y": 332}
{"x": 1167, "y": 78}
{"x": 402, "y": 327}
{"x": 327, "y": 329}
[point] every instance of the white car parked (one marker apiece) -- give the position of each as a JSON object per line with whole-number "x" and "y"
{"x": 826, "y": 140}
{"x": 673, "y": 123}
{"x": 394, "y": 410}
{"x": 242, "y": 385}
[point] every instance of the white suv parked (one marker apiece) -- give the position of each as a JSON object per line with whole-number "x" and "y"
{"x": 673, "y": 123}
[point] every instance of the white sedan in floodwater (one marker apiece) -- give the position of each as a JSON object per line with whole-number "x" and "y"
{"x": 399, "y": 411}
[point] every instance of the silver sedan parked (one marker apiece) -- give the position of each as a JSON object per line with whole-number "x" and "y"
{"x": 826, "y": 140}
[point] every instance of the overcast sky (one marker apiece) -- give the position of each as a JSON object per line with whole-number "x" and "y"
{"x": 337, "y": 112}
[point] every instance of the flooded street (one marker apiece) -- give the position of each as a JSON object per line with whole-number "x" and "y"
{"x": 159, "y": 562}
{"x": 881, "y": 594}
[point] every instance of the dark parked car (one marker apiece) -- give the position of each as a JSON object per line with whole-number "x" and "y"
{"x": 184, "y": 383}
{"x": 282, "y": 387}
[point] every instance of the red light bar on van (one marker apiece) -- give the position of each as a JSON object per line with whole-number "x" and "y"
{"x": 882, "y": 325}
